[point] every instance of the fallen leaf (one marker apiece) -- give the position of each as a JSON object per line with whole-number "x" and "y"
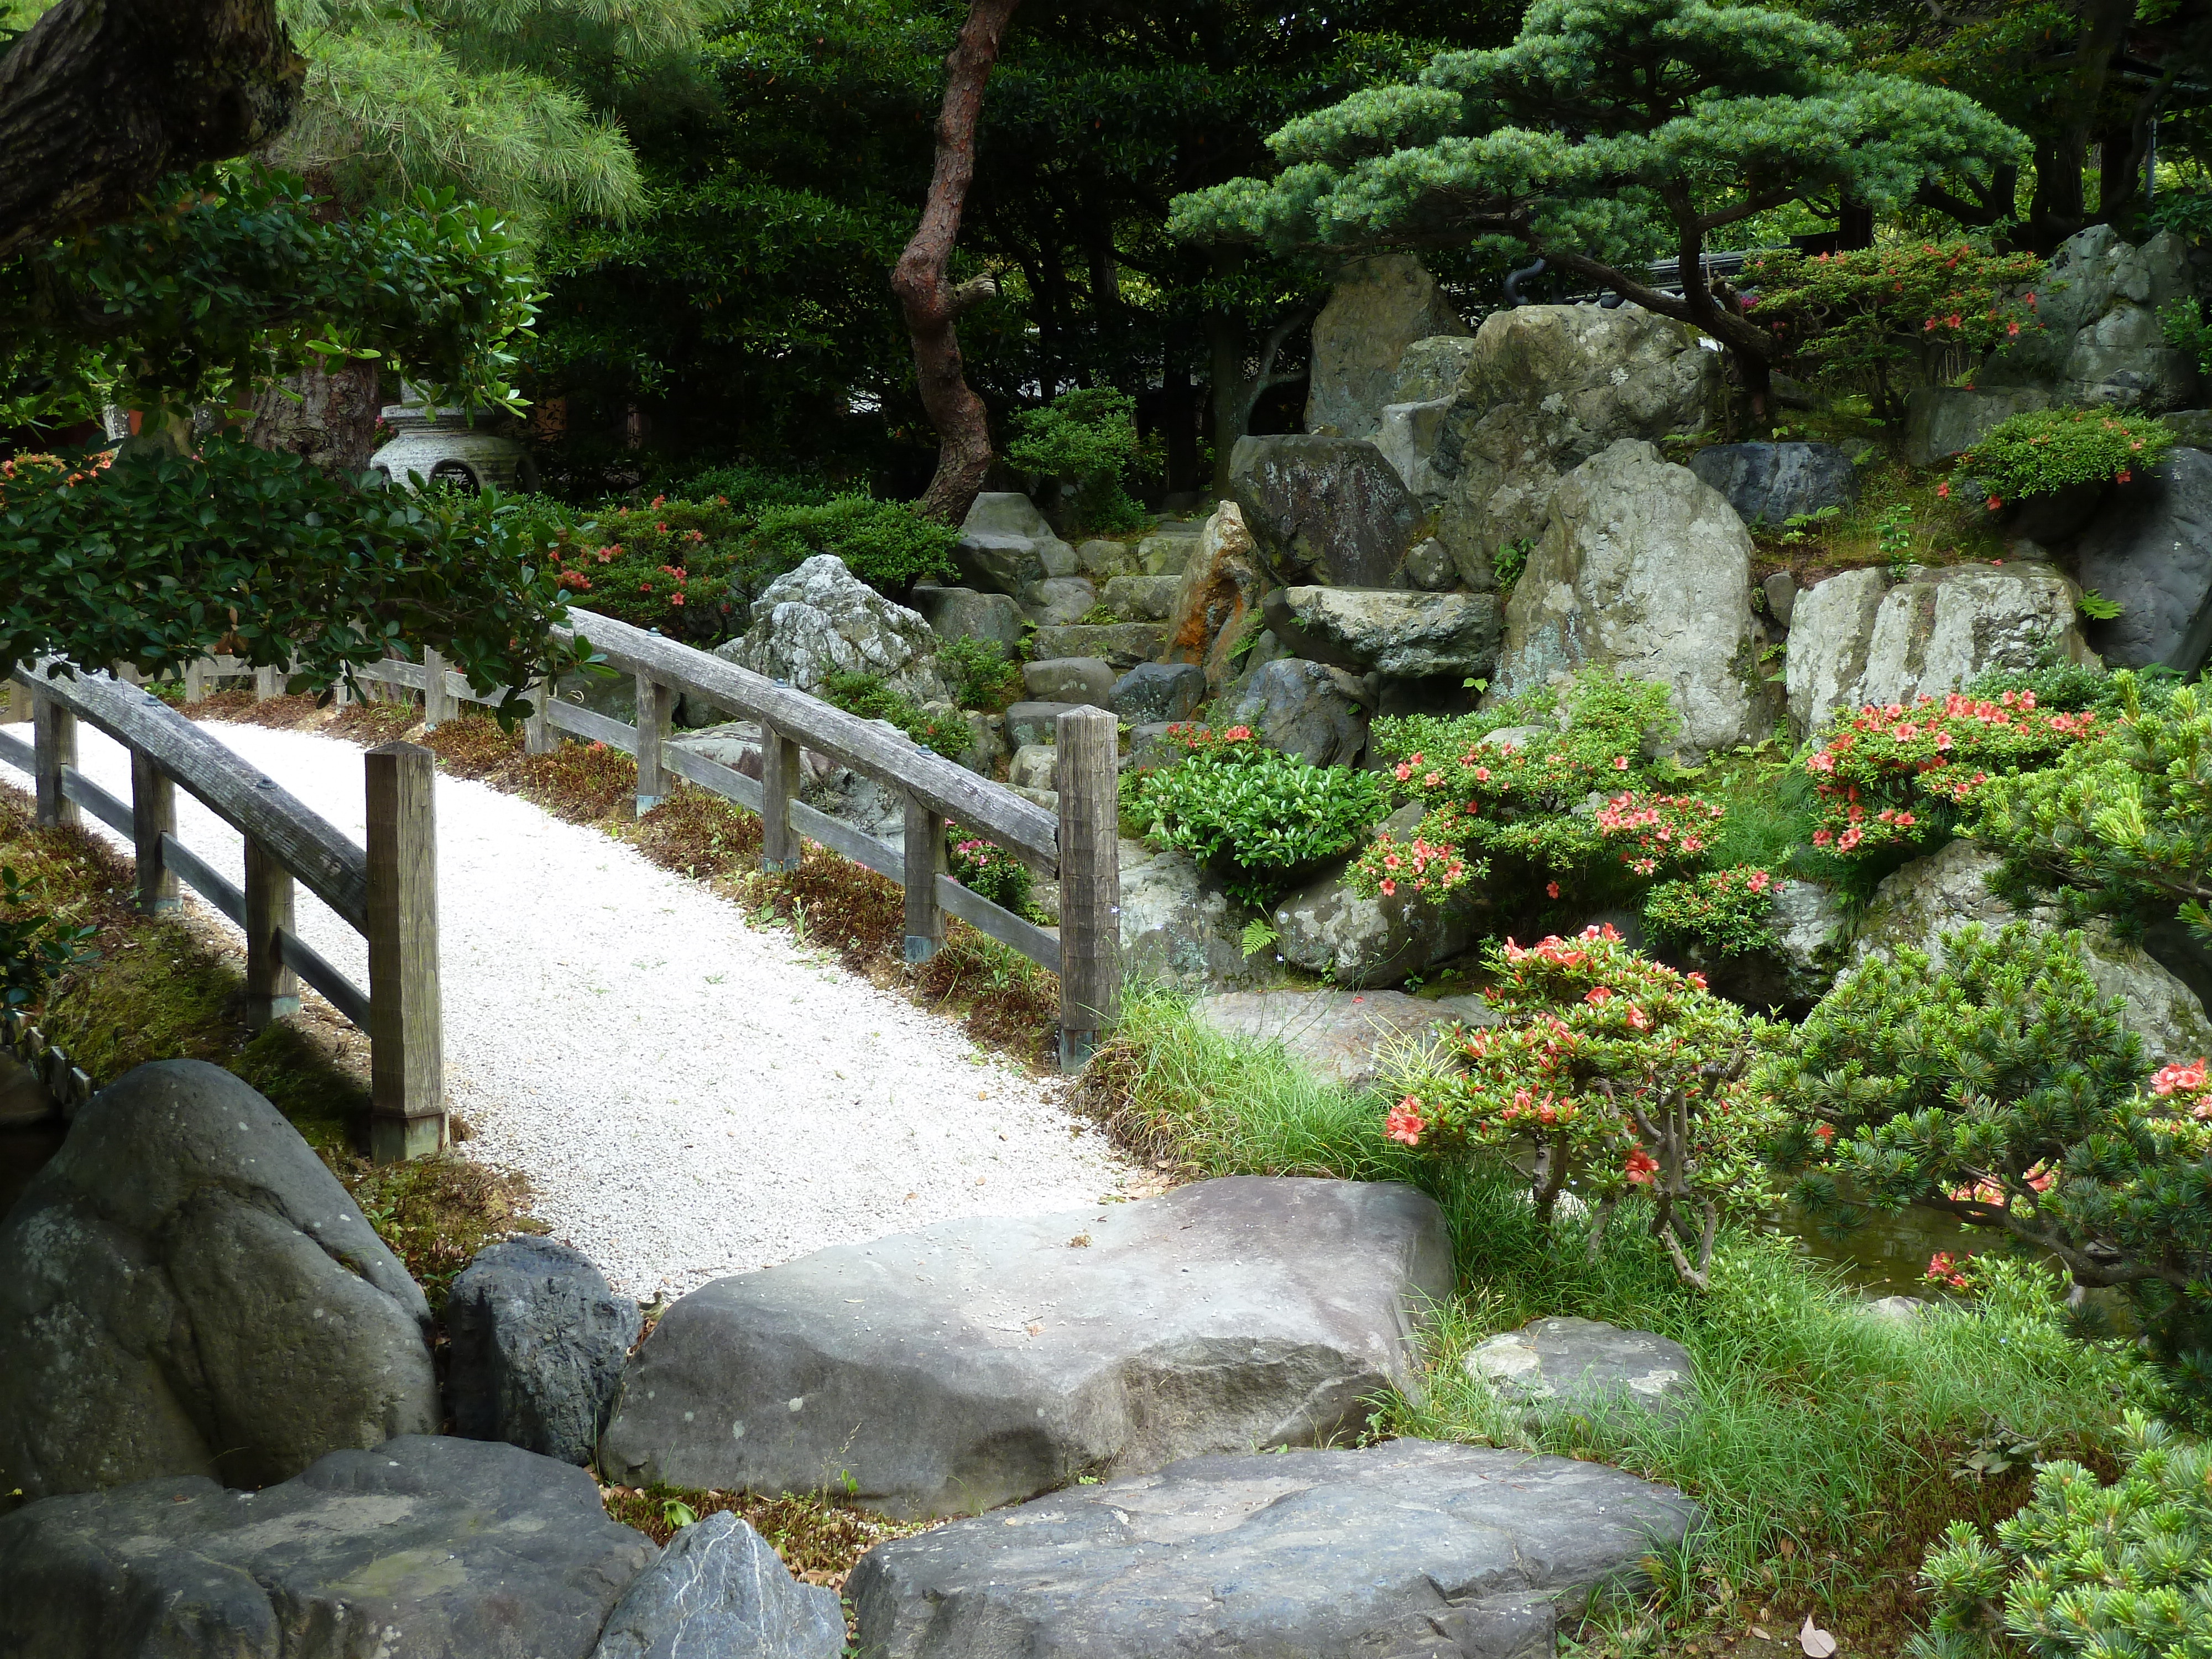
{"x": 1760, "y": 1631}
{"x": 1816, "y": 1642}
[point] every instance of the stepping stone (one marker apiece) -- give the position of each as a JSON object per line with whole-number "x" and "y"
{"x": 536, "y": 1350}
{"x": 1335, "y": 1034}
{"x": 1585, "y": 1364}
{"x": 421, "y": 1548}
{"x": 1411, "y": 1547}
{"x": 978, "y": 1362}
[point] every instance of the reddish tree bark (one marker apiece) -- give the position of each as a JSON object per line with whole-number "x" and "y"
{"x": 931, "y": 302}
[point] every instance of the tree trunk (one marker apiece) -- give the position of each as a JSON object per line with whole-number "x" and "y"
{"x": 931, "y": 304}
{"x": 333, "y": 424}
{"x": 102, "y": 97}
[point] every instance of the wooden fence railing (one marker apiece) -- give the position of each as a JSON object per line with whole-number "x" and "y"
{"x": 386, "y": 891}
{"x": 1077, "y": 848}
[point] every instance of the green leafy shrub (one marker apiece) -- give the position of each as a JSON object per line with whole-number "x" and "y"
{"x": 1258, "y": 815}
{"x": 867, "y": 696}
{"x": 2084, "y": 1568}
{"x": 2124, "y": 821}
{"x": 35, "y": 947}
{"x": 993, "y": 872}
{"x": 887, "y": 544}
{"x": 2186, "y": 329}
{"x": 2048, "y": 450}
{"x": 684, "y": 567}
{"x": 986, "y": 679}
{"x": 1866, "y": 318}
{"x": 1622, "y": 1076}
{"x": 1088, "y": 436}
{"x": 1890, "y": 778}
{"x": 1731, "y": 910}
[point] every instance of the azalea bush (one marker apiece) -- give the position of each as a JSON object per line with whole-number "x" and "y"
{"x": 2084, "y": 1568}
{"x": 2048, "y": 450}
{"x": 2003, "y": 1089}
{"x": 1621, "y": 1076}
{"x": 2122, "y": 822}
{"x": 1891, "y": 778}
{"x": 1869, "y": 317}
{"x": 1731, "y": 911}
{"x": 1647, "y": 830}
{"x": 1260, "y": 816}
{"x": 985, "y": 868}
{"x": 680, "y": 567}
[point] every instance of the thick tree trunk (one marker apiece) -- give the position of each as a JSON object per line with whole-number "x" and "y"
{"x": 931, "y": 304}
{"x": 333, "y": 424}
{"x": 102, "y": 97}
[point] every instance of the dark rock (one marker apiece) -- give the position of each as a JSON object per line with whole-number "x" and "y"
{"x": 1770, "y": 482}
{"x": 1409, "y": 1547}
{"x": 538, "y": 1344}
{"x": 980, "y": 1361}
{"x": 1335, "y": 1034}
{"x": 1156, "y": 691}
{"x": 1006, "y": 546}
{"x": 1329, "y": 926}
{"x": 1325, "y": 510}
{"x": 1379, "y": 306}
{"x": 1151, "y": 748}
{"x": 1057, "y": 600}
{"x": 1178, "y": 924}
{"x": 1396, "y": 632}
{"x": 1781, "y": 590}
{"x": 1430, "y": 567}
{"x": 1036, "y": 722}
{"x": 1120, "y": 646}
{"x": 1071, "y": 681}
{"x": 1585, "y": 1365}
{"x": 185, "y": 1289}
{"x": 1943, "y": 421}
{"x": 2151, "y": 555}
{"x": 719, "y": 1589}
{"x": 962, "y": 613}
{"x": 424, "y": 1548}
{"x": 1304, "y": 708}
{"x": 24, "y": 1096}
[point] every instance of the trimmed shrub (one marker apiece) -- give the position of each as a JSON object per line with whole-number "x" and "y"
{"x": 1730, "y": 910}
{"x": 1089, "y": 437}
{"x": 2049, "y": 450}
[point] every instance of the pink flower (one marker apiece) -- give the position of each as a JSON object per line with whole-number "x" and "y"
{"x": 1237, "y": 735}
{"x": 1552, "y": 889}
{"x": 1404, "y": 1123}
{"x": 1599, "y": 995}
{"x": 1943, "y": 491}
{"x": 1640, "y": 1167}
{"x": 2180, "y": 1080}
{"x": 1620, "y": 763}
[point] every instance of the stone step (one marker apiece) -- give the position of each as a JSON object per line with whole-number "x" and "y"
{"x": 1123, "y": 645}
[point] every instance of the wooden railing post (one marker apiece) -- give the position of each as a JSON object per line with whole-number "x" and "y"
{"x": 925, "y": 861}
{"x": 15, "y": 703}
{"x": 272, "y": 990}
{"x": 153, "y": 814}
{"x": 195, "y": 679}
{"x": 407, "y": 1108}
{"x": 439, "y": 705}
{"x": 779, "y": 788}
{"x": 537, "y": 734}
{"x": 1090, "y": 882}
{"x": 656, "y": 712}
{"x": 268, "y": 683}
{"x": 53, "y": 734}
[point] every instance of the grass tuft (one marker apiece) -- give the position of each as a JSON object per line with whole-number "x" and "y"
{"x": 818, "y": 1540}
{"x": 437, "y": 1212}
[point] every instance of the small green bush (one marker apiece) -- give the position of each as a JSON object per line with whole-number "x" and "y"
{"x": 993, "y": 873}
{"x": 2049, "y": 450}
{"x": 867, "y": 696}
{"x": 684, "y": 567}
{"x": 887, "y": 544}
{"x": 1089, "y": 437}
{"x": 1731, "y": 910}
{"x": 2084, "y": 1568}
{"x": 1263, "y": 815}
{"x": 986, "y": 679}
{"x": 35, "y": 947}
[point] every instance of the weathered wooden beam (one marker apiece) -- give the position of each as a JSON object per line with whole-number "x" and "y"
{"x": 153, "y": 814}
{"x": 272, "y": 990}
{"x": 53, "y": 730}
{"x": 780, "y": 848}
{"x": 538, "y": 737}
{"x": 656, "y": 714}
{"x": 1090, "y": 882}
{"x": 439, "y": 705}
{"x": 407, "y": 1085}
{"x": 925, "y": 862}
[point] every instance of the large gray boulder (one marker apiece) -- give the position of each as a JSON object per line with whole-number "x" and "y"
{"x": 719, "y": 1589}
{"x": 962, "y": 613}
{"x": 1301, "y": 707}
{"x": 1585, "y": 1367}
{"x": 1943, "y": 421}
{"x": 821, "y": 619}
{"x": 977, "y": 1362}
{"x": 1378, "y": 307}
{"x": 2102, "y": 340}
{"x": 1546, "y": 388}
{"x": 1155, "y": 691}
{"x": 1337, "y": 1035}
{"x": 537, "y": 1342}
{"x": 1057, "y": 600}
{"x": 2150, "y": 553}
{"x": 1006, "y": 545}
{"x": 1141, "y": 598}
{"x": 185, "y": 1289}
{"x": 1949, "y": 889}
{"x": 1398, "y": 632}
{"x": 424, "y": 1548}
{"x": 1070, "y": 681}
{"x": 1409, "y": 1547}
{"x": 1220, "y": 587}
{"x": 1178, "y": 924}
{"x": 1327, "y": 926}
{"x": 1327, "y": 510}
{"x": 1859, "y": 638}
{"x": 1644, "y": 568}
{"x": 1772, "y": 483}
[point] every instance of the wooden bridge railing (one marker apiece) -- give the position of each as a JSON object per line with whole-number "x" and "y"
{"x": 386, "y": 891}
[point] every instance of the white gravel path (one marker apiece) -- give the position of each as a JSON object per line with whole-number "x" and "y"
{"x": 688, "y": 1096}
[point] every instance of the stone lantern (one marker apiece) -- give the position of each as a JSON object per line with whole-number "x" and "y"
{"x": 446, "y": 446}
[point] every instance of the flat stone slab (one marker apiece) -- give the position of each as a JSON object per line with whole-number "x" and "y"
{"x": 423, "y": 1548}
{"x": 979, "y": 1362}
{"x": 1335, "y": 1034}
{"x": 1413, "y": 1546}
{"x": 1582, "y": 1364}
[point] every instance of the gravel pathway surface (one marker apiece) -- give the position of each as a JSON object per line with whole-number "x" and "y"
{"x": 689, "y": 1096}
